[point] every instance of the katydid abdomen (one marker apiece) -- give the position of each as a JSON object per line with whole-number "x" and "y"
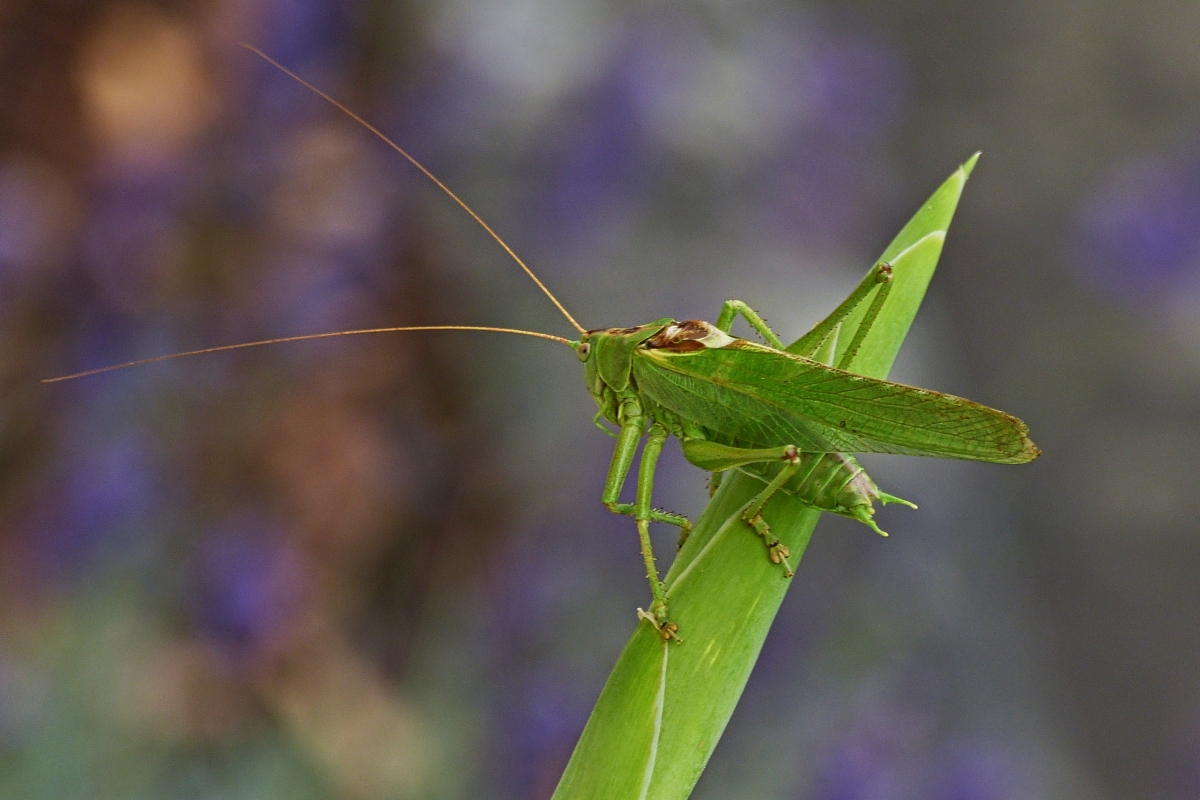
{"x": 833, "y": 482}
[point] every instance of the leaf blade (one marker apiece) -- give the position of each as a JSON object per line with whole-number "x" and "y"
{"x": 723, "y": 589}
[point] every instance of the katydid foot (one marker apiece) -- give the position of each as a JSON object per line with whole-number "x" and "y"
{"x": 666, "y": 629}
{"x": 751, "y": 513}
{"x": 777, "y": 551}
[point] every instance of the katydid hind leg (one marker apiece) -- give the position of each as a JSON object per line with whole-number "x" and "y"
{"x": 751, "y": 514}
{"x": 598, "y": 421}
{"x": 826, "y": 349}
{"x": 884, "y": 273}
{"x": 732, "y": 308}
{"x": 717, "y": 457}
{"x": 806, "y": 345}
{"x": 658, "y": 515}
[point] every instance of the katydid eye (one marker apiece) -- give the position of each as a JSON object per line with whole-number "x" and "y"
{"x": 583, "y": 351}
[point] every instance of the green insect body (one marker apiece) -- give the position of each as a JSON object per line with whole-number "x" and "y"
{"x": 785, "y": 418}
{"x": 832, "y": 482}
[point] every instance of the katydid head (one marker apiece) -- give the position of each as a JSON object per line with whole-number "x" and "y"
{"x": 607, "y": 353}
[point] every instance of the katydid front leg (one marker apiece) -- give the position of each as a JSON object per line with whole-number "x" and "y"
{"x": 633, "y": 423}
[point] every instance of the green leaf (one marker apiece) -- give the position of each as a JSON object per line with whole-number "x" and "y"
{"x": 665, "y": 706}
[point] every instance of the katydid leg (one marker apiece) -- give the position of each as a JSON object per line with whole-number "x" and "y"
{"x": 880, "y": 277}
{"x": 751, "y": 514}
{"x": 729, "y": 311}
{"x": 734, "y": 307}
{"x": 718, "y": 457}
{"x": 884, "y": 278}
{"x": 598, "y": 421}
{"x": 658, "y": 515}
{"x": 644, "y": 514}
{"x": 632, "y": 429}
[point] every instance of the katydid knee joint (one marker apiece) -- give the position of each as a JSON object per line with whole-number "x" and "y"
{"x": 630, "y": 411}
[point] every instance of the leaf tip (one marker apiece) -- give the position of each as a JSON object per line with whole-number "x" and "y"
{"x": 969, "y": 164}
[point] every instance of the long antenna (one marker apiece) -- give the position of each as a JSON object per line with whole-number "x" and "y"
{"x": 419, "y": 166}
{"x": 303, "y": 338}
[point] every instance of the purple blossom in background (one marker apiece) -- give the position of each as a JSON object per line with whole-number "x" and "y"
{"x": 131, "y": 254}
{"x": 435, "y": 118}
{"x": 21, "y": 223}
{"x": 1139, "y": 234}
{"x": 822, "y": 183}
{"x": 601, "y": 164}
{"x": 539, "y": 724}
{"x": 248, "y": 586}
{"x": 1184, "y": 771}
{"x": 974, "y": 772}
{"x": 35, "y": 205}
{"x": 878, "y": 753}
{"x": 135, "y": 239}
{"x": 300, "y": 30}
{"x": 543, "y": 590}
{"x": 817, "y": 192}
{"x": 311, "y": 294}
{"x": 856, "y": 85}
{"x": 857, "y": 769}
{"x": 553, "y": 566}
{"x": 102, "y": 507}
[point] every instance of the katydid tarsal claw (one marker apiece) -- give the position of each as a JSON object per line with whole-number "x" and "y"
{"x": 788, "y": 416}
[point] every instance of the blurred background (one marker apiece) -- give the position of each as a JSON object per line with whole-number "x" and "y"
{"x": 379, "y": 567}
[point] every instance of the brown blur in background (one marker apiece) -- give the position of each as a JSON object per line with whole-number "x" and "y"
{"x": 378, "y": 567}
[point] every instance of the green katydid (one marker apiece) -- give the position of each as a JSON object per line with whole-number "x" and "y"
{"x": 787, "y": 415}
